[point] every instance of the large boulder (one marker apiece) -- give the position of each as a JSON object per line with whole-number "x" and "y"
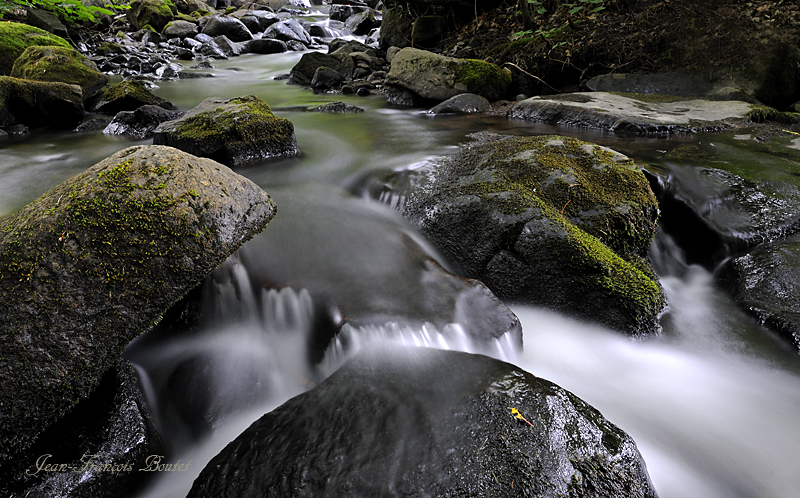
{"x": 95, "y": 261}
{"x": 233, "y": 131}
{"x": 550, "y": 221}
{"x": 289, "y": 30}
{"x": 59, "y": 64}
{"x": 154, "y": 13}
{"x": 228, "y": 26}
{"x": 127, "y": 96}
{"x": 16, "y": 37}
{"x": 40, "y": 103}
{"x": 47, "y": 21}
{"x": 436, "y": 77}
{"x": 180, "y": 29}
{"x": 303, "y": 72}
{"x": 421, "y": 422}
{"x": 111, "y": 430}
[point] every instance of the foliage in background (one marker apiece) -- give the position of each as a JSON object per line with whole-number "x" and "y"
{"x": 70, "y": 11}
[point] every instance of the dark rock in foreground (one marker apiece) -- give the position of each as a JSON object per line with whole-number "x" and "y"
{"x": 107, "y": 438}
{"x": 766, "y": 283}
{"x": 420, "y": 422}
{"x": 95, "y": 261}
{"x": 232, "y": 131}
{"x": 550, "y": 221}
{"x": 40, "y": 103}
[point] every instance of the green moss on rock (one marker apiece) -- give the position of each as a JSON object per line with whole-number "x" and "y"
{"x": 127, "y": 96}
{"x": 59, "y": 64}
{"x": 16, "y": 37}
{"x": 233, "y": 131}
{"x": 94, "y": 262}
{"x": 551, "y": 221}
{"x": 482, "y": 77}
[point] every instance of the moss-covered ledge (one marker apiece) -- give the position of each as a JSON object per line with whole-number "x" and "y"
{"x": 94, "y": 262}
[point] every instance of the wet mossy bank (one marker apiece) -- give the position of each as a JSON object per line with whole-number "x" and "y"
{"x": 550, "y": 221}
{"x": 94, "y": 262}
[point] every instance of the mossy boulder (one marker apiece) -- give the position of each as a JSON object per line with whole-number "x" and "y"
{"x": 95, "y": 261}
{"x": 40, "y": 103}
{"x": 233, "y": 131}
{"x": 550, "y": 221}
{"x": 423, "y": 422}
{"x": 127, "y": 96}
{"x": 16, "y": 37}
{"x": 154, "y": 13}
{"x": 59, "y": 64}
{"x": 436, "y": 77}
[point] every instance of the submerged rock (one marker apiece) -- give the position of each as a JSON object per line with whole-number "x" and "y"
{"x": 59, "y": 64}
{"x": 638, "y": 113}
{"x": 766, "y": 283}
{"x": 111, "y": 431}
{"x": 421, "y": 422}
{"x": 16, "y": 37}
{"x": 436, "y": 77}
{"x": 232, "y": 131}
{"x": 95, "y": 261}
{"x": 40, "y": 103}
{"x": 550, "y": 221}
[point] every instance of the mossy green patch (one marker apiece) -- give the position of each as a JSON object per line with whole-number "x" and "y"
{"x": 59, "y": 64}
{"x": 16, "y": 37}
{"x": 480, "y": 76}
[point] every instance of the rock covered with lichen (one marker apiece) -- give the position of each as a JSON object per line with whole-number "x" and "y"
{"x": 380, "y": 425}
{"x": 95, "y": 261}
{"x": 550, "y": 221}
{"x": 232, "y": 131}
{"x": 436, "y": 77}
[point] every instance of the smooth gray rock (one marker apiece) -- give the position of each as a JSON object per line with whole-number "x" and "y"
{"x": 303, "y": 72}
{"x": 466, "y": 103}
{"x": 227, "y": 26}
{"x": 289, "y": 30}
{"x": 95, "y": 261}
{"x": 646, "y": 114}
{"x": 180, "y": 29}
{"x": 140, "y": 124}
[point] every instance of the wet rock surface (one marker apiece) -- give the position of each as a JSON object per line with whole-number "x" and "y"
{"x": 141, "y": 123}
{"x": 725, "y": 195}
{"x": 94, "y": 262}
{"x": 380, "y": 424}
{"x": 765, "y": 282}
{"x": 106, "y": 439}
{"x": 550, "y": 221}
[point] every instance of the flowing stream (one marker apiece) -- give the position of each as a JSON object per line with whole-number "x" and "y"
{"x": 713, "y": 402}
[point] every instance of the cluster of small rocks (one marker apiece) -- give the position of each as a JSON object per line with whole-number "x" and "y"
{"x": 253, "y": 28}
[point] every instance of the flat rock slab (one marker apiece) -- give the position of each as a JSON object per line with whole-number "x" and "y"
{"x": 639, "y": 113}
{"x": 95, "y": 261}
